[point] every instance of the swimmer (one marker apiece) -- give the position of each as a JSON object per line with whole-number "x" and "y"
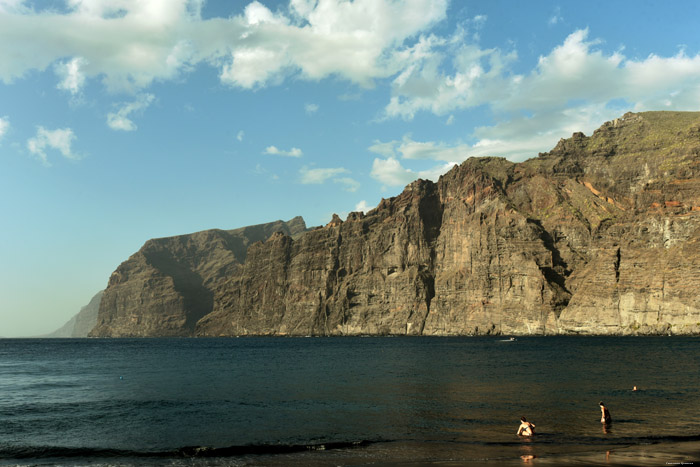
{"x": 526, "y": 428}
{"x": 604, "y": 414}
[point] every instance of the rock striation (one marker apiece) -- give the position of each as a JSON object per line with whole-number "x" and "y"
{"x": 170, "y": 283}
{"x": 598, "y": 236}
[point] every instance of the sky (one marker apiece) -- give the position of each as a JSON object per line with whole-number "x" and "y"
{"x": 125, "y": 120}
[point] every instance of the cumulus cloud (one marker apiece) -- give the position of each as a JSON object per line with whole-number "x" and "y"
{"x": 574, "y": 87}
{"x": 128, "y": 43}
{"x": 390, "y": 172}
{"x": 273, "y": 150}
{"x": 362, "y": 206}
{"x": 131, "y": 43}
{"x": 60, "y": 139}
{"x": 311, "y": 108}
{"x": 4, "y": 126}
{"x": 354, "y": 40}
{"x": 120, "y": 120}
{"x": 240, "y": 135}
{"x": 72, "y": 77}
{"x": 427, "y": 84}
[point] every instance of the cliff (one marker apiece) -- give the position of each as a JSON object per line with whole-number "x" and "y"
{"x": 82, "y": 323}
{"x": 170, "y": 283}
{"x": 598, "y": 236}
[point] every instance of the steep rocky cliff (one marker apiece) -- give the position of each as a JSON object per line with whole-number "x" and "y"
{"x": 598, "y": 236}
{"x": 169, "y": 284}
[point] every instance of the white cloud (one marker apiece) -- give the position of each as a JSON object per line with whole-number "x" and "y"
{"x": 120, "y": 120}
{"x": 311, "y": 108}
{"x": 321, "y": 175}
{"x": 72, "y": 78}
{"x": 387, "y": 149}
{"x": 362, "y": 206}
{"x": 574, "y": 87}
{"x": 410, "y": 149}
{"x": 4, "y": 126}
{"x": 350, "y": 184}
{"x": 476, "y": 77}
{"x": 273, "y": 150}
{"x": 407, "y": 148}
{"x": 240, "y": 135}
{"x": 59, "y": 139}
{"x": 254, "y": 66}
{"x": 390, "y": 172}
{"x": 128, "y": 43}
{"x": 131, "y": 43}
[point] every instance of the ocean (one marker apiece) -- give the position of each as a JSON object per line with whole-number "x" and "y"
{"x": 349, "y": 401}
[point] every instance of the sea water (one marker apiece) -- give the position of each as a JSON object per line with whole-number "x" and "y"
{"x": 340, "y": 401}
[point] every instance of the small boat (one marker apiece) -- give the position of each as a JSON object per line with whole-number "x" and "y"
{"x": 512, "y": 339}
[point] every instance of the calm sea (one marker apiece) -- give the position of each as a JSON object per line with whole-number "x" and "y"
{"x": 340, "y": 401}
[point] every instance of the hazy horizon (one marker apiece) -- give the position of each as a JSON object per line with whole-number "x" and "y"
{"x": 125, "y": 120}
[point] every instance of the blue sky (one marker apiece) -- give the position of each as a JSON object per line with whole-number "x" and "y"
{"x": 124, "y": 120}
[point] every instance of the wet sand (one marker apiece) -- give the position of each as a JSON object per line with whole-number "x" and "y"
{"x": 687, "y": 453}
{"x": 391, "y": 455}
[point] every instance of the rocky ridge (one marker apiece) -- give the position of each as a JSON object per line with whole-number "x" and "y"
{"x": 598, "y": 236}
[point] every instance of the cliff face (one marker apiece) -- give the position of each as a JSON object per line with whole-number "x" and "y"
{"x": 168, "y": 285}
{"x": 598, "y": 236}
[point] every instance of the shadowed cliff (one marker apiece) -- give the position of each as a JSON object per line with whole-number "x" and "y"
{"x": 598, "y": 236}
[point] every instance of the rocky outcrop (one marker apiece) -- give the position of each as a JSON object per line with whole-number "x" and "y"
{"x": 82, "y": 323}
{"x": 597, "y": 236}
{"x": 169, "y": 284}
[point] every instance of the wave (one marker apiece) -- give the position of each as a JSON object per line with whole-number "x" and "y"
{"x": 60, "y": 452}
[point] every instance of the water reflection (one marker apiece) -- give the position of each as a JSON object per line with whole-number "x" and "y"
{"x": 528, "y": 454}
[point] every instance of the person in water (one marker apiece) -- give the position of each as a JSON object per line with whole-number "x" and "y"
{"x": 604, "y": 414}
{"x": 526, "y": 428}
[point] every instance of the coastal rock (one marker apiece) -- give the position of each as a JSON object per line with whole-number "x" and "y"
{"x": 167, "y": 286}
{"x": 598, "y": 236}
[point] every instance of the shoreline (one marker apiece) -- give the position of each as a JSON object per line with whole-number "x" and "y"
{"x": 390, "y": 455}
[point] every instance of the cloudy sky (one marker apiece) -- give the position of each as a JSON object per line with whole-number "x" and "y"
{"x": 124, "y": 120}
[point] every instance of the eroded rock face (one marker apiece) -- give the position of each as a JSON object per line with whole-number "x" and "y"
{"x": 168, "y": 285}
{"x": 598, "y": 236}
